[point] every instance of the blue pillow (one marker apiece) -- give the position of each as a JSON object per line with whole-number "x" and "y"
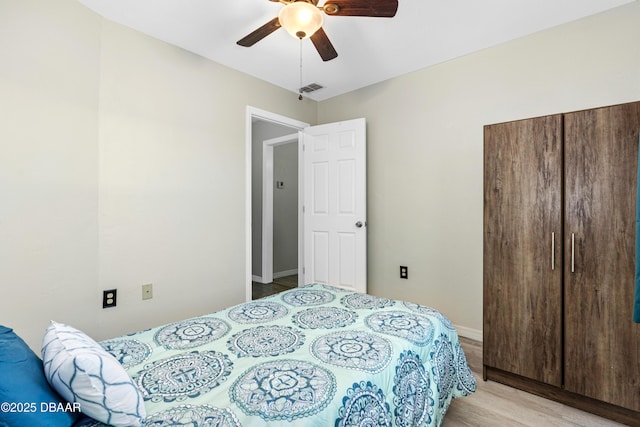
{"x": 26, "y": 397}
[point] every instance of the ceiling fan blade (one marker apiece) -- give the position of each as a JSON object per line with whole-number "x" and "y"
{"x": 323, "y": 45}
{"x": 375, "y": 8}
{"x": 262, "y": 32}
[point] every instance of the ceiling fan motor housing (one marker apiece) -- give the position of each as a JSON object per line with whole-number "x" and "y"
{"x": 331, "y": 9}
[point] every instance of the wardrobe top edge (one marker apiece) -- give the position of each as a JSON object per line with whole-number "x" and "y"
{"x": 561, "y": 113}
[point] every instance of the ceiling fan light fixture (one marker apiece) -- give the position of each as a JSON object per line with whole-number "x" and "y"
{"x": 300, "y": 19}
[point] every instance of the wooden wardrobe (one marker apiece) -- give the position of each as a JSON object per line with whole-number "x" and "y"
{"x": 559, "y": 258}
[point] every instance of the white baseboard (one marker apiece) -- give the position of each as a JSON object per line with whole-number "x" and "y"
{"x": 257, "y": 279}
{"x": 275, "y": 275}
{"x": 470, "y": 333}
{"x": 285, "y": 273}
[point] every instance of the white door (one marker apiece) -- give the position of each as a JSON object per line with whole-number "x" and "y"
{"x": 335, "y": 204}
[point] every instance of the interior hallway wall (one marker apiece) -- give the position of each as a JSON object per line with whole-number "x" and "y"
{"x": 285, "y": 209}
{"x": 262, "y": 131}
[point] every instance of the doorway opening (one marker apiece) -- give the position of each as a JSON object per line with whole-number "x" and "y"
{"x": 261, "y": 127}
{"x": 280, "y": 208}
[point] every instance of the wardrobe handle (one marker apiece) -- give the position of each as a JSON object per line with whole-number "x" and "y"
{"x": 553, "y": 246}
{"x": 573, "y": 244}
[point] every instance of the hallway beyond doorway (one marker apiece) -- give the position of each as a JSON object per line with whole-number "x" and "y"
{"x": 281, "y": 284}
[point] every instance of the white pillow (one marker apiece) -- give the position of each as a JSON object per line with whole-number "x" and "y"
{"x": 80, "y": 370}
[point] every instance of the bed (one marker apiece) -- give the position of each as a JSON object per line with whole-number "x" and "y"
{"x": 311, "y": 356}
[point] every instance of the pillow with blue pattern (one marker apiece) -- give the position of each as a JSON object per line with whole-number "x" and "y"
{"x": 80, "y": 370}
{"x": 24, "y": 388}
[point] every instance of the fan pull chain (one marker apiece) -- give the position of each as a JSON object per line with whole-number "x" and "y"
{"x": 300, "y": 87}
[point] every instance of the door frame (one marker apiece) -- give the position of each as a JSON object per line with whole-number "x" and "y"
{"x": 267, "y": 202}
{"x": 252, "y": 114}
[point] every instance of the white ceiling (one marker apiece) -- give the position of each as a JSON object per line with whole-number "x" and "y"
{"x": 370, "y": 50}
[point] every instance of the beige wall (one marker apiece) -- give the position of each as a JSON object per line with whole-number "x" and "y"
{"x": 425, "y": 149}
{"x": 285, "y": 209}
{"x": 122, "y": 162}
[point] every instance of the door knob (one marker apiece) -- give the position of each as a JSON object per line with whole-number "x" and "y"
{"x": 359, "y": 224}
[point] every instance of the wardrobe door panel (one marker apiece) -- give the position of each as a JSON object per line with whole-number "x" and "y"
{"x": 522, "y": 216}
{"x": 602, "y": 345}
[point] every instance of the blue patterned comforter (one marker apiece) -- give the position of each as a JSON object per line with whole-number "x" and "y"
{"x": 311, "y": 356}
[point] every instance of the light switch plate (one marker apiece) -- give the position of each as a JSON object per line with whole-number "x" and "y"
{"x": 147, "y": 291}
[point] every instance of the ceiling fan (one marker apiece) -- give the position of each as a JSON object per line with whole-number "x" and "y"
{"x": 303, "y": 19}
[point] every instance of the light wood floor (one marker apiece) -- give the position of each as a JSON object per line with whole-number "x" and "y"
{"x": 494, "y": 404}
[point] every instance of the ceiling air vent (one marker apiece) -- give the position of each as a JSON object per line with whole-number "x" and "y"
{"x": 311, "y": 87}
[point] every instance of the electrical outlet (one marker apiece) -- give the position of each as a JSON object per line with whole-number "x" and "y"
{"x": 109, "y": 298}
{"x": 404, "y": 272}
{"x": 147, "y": 291}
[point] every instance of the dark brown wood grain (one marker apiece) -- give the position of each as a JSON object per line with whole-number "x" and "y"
{"x": 522, "y": 208}
{"x": 598, "y": 346}
{"x": 323, "y": 45}
{"x": 260, "y": 33}
{"x": 375, "y": 8}
{"x": 602, "y": 345}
